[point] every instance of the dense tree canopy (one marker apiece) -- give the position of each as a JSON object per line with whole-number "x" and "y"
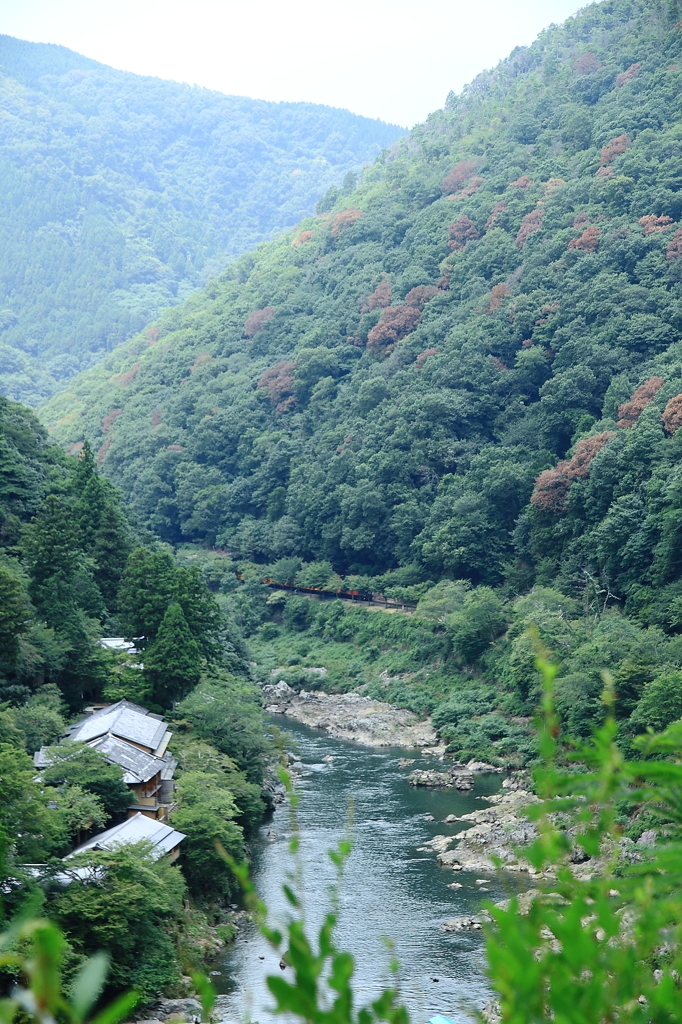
{"x": 469, "y": 369}
{"x": 122, "y": 194}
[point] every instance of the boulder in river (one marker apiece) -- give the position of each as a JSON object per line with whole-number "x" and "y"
{"x": 457, "y": 777}
{"x": 349, "y": 716}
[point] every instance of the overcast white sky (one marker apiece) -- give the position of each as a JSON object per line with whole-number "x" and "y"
{"x": 393, "y": 59}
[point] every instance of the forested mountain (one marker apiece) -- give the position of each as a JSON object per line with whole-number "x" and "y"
{"x": 470, "y": 368}
{"x": 120, "y": 195}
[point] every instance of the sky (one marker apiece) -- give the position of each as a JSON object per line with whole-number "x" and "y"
{"x": 392, "y": 59}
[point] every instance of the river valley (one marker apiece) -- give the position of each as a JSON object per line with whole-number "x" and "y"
{"x": 390, "y": 888}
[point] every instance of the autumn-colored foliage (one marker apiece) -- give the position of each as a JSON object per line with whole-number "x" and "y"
{"x": 345, "y": 219}
{"x": 626, "y": 76}
{"x": 500, "y": 363}
{"x": 604, "y": 172}
{"x": 420, "y": 295}
{"x": 497, "y": 296}
{"x": 651, "y": 224}
{"x": 423, "y": 356}
{"x": 175, "y": 448}
{"x": 553, "y": 485}
{"x": 203, "y": 357}
{"x": 493, "y": 216}
{"x": 613, "y": 148}
{"x": 674, "y": 250}
{"x": 523, "y": 182}
{"x": 157, "y": 417}
{"x": 109, "y": 420}
{"x": 380, "y": 298}
{"x": 629, "y": 412}
{"x": 461, "y": 231}
{"x": 581, "y": 220}
{"x": 305, "y": 236}
{"x": 257, "y": 320}
{"x": 152, "y": 334}
{"x": 588, "y": 241}
{"x": 458, "y": 177}
{"x": 279, "y": 383}
{"x": 469, "y": 189}
{"x": 530, "y": 225}
{"x": 75, "y": 448}
{"x": 395, "y": 323}
{"x": 129, "y": 376}
{"x": 586, "y": 64}
{"x": 101, "y": 454}
{"x": 672, "y": 415}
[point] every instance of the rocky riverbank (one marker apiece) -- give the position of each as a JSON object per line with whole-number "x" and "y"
{"x": 349, "y": 716}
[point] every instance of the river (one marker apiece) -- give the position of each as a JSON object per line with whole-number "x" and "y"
{"x": 389, "y": 888}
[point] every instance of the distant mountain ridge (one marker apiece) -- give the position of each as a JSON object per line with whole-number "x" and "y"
{"x": 121, "y": 194}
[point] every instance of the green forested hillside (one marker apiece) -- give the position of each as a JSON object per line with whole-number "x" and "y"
{"x": 379, "y": 390}
{"x": 120, "y": 195}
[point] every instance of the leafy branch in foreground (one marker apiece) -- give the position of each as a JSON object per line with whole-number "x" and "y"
{"x": 602, "y": 946}
{"x": 31, "y": 951}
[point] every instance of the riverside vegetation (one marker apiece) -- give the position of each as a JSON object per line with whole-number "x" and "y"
{"x": 71, "y": 570}
{"x": 122, "y": 194}
{"x": 588, "y": 948}
{"x": 459, "y": 384}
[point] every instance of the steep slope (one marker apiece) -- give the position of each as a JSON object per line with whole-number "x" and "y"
{"x": 381, "y": 387}
{"x": 120, "y": 195}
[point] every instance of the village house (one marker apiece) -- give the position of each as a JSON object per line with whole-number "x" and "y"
{"x": 136, "y": 740}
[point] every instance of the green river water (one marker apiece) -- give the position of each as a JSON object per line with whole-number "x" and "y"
{"x": 389, "y": 888}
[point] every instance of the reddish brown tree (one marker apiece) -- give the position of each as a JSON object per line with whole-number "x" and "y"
{"x": 651, "y": 224}
{"x": 423, "y": 356}
{"x": 203, "y": 357}
{"x": 497, "y": 296}
{"x": 458, "y": 177}
{"x": 257, "y": 320}
{"x": 629, "y": 412}
{"x": 279, "y": 384}
{"x": 152, "y": 334}
{"x": 102, "y": 453}
{"x": 613, "y": 148}
{"x": 523, "y": 182}
{"x": 129, "y": 376}
{"x": 109, "y": 420}
{"x": 345, "y": 219}
{"x": 626, "y": 76}
{"x": 493, "y": 217}
{"x": 460, "y": 232}
{"x": 157, "y": 417}
{"x": 305, "y": 236}
{"x": 395, "y": 323}
{"x": 380, "y": 298}
{"x": 420, "y": 295}
{"x": 672, "y": 415}
{"x": 588, "y": 241}
{"x": 674, "y": 250}
{"x": 530, "y": 225}
{"x": 586, "y": 64}
{"x": 553, "y": 485}
{"x": 581, "y": 220}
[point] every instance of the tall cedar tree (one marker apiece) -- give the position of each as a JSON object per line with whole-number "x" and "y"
{"x": 151, "y": 583}
{"x": 173, "y": 661}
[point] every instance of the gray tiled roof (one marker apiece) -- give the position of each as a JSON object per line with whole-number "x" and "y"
{"x": 125, "y": 720}
{"x": 164, "y": 838}
{"x": 138, "y": 765}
